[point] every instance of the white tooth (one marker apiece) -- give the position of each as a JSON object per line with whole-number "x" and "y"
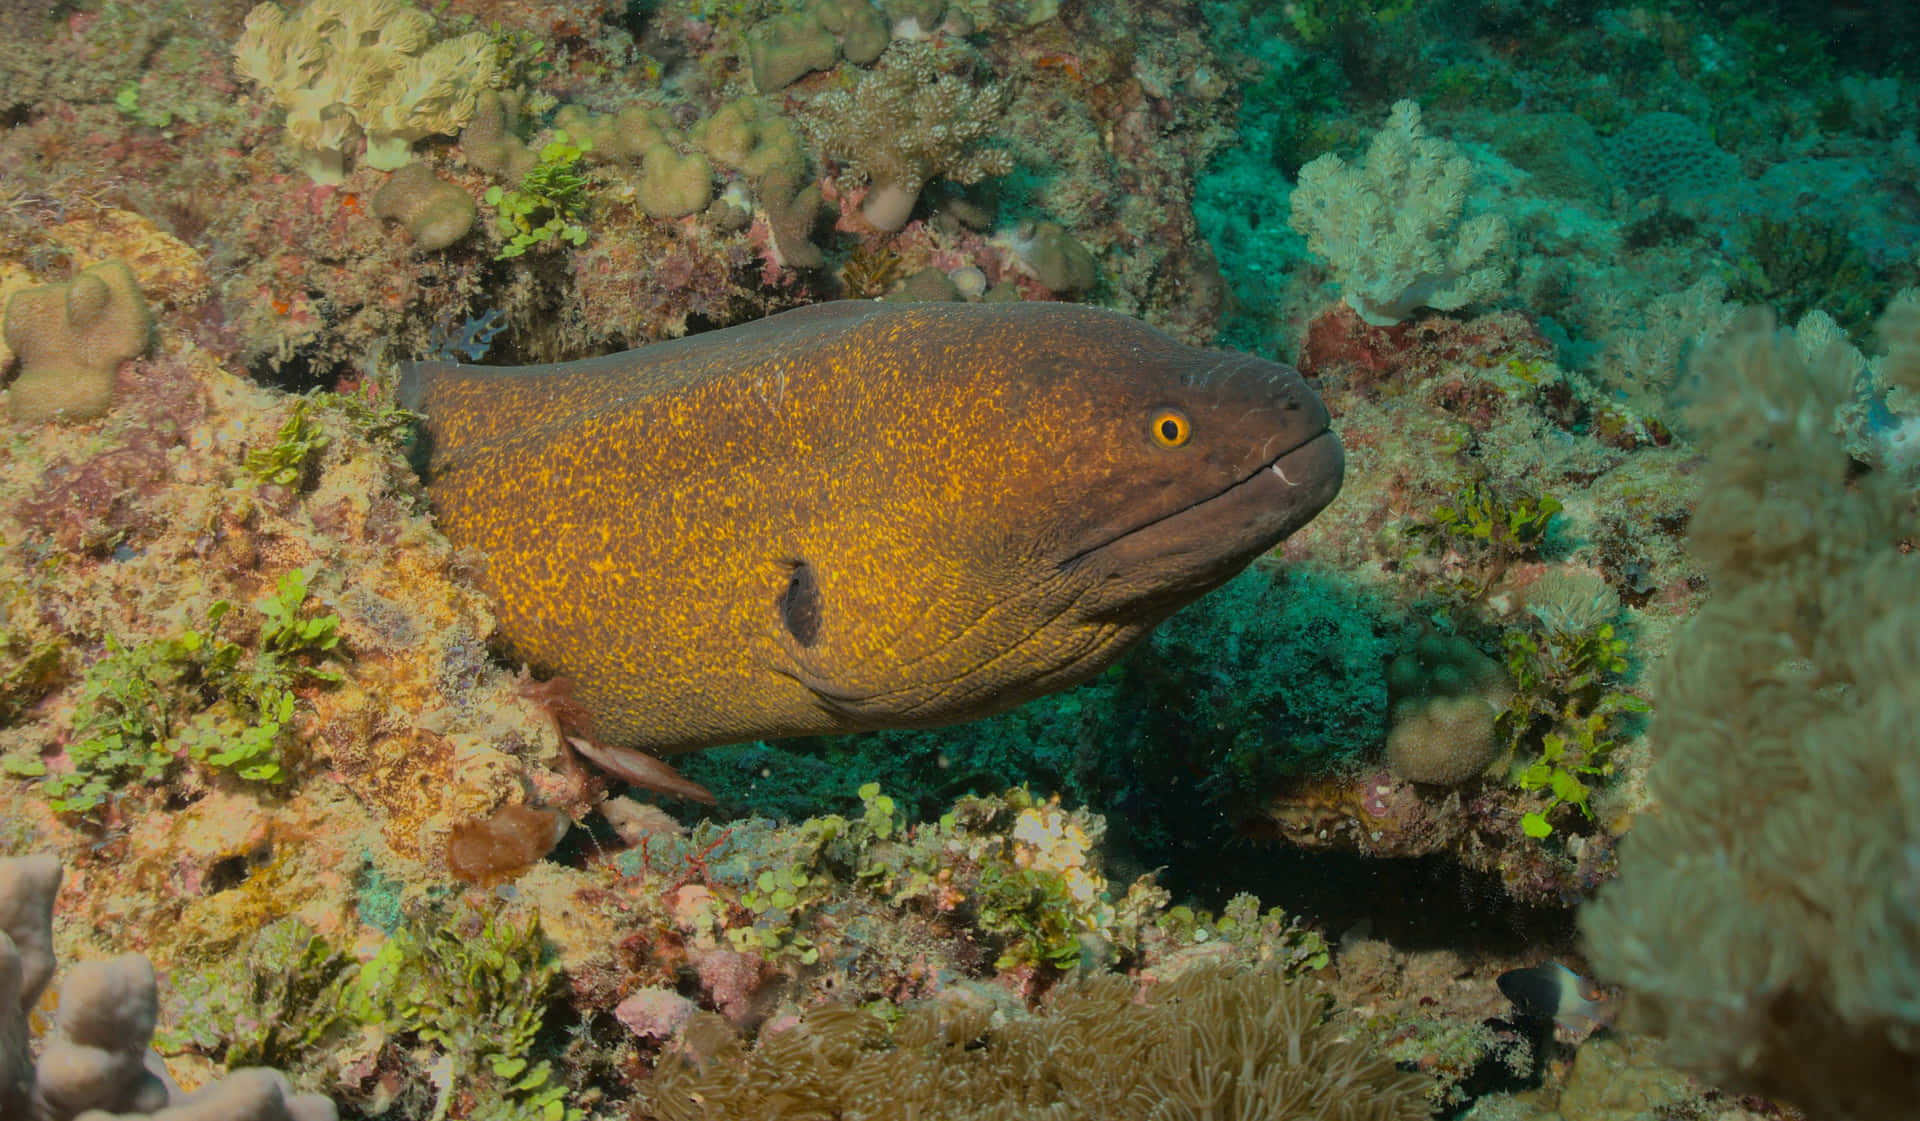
{"x": 1283, "y": 475}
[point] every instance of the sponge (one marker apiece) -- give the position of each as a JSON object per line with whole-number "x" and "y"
{"x": 71, "y": 338}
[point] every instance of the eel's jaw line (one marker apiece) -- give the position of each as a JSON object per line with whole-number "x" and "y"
{"x": 1273, "y": 465}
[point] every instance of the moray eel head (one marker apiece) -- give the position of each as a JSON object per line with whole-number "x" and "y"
{"x": 863, "y": 515}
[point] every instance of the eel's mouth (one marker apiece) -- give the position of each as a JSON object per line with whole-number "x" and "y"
{"x": 1209, "y": 540}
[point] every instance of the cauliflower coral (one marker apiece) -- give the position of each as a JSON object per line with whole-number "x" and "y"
{"x": 345, "y": 70}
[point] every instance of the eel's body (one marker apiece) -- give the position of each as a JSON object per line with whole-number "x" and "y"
{"x": 861, "y": 515}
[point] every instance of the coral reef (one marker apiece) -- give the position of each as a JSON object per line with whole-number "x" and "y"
{"x": 247, "y": 695}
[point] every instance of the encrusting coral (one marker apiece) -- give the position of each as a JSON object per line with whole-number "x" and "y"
{"x": 96, "y": 1062}
{"x": 785, "y": 48}
{"x": 1391, "y": 229}
{"x": 1052, "y": 257}
{"x": 347, "y": 69}
{"x": 749, "y": 137}
{"x": 490, "y": 141}
{"x": 71, "y": 339}
{"x": 1216, "y": 1042}
{"x": 1766, "y": 920}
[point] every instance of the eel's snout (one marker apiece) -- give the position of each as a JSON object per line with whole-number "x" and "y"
{"x": 1311, "y": 475}
{"x": 1275, "y": 464}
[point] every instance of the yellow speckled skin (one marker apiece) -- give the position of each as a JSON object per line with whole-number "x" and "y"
{"x": 862, "y": 515}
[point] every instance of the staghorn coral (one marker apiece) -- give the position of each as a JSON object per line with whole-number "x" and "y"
{"x": 1216, "y": 1042}
{"x": 347, "y": 69}
{"x": 1767, "y": 920}
{"x": 1391, "y": 229}
{"x": 907, "y": 123}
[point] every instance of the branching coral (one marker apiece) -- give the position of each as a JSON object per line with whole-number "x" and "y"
{"x": 344, "y": 69}
{"x": 1391, "y": 229}
{"x": 1217, "y": 1042}
{"x": 907, "y": 123}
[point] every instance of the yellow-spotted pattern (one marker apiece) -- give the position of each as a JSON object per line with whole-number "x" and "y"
{"x": 861, "y": 515}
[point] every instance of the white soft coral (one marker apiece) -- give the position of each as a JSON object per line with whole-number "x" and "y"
{"x": 1391, "y": 230}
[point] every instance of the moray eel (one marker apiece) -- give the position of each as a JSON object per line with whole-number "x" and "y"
{"x": 861, "y": 515}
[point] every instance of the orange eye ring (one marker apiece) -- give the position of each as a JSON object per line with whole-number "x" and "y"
{"x": 1170, "y": 428}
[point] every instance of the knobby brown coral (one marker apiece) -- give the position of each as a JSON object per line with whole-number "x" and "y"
{"x": 96, "y": 1062}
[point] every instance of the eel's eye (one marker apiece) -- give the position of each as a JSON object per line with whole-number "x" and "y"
{"x": 1170, "y": 428}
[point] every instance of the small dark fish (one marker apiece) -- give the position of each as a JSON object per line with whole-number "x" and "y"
{"x": 1551, "y": 991}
